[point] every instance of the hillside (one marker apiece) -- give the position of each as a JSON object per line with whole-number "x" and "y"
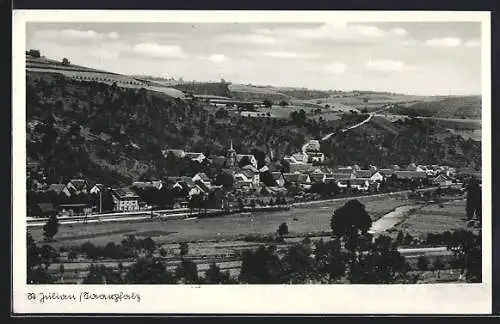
{"x": 451, "y": 107}
{"x": 114, "y": 134}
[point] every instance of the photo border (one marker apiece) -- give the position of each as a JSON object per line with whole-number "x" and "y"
{"x": 443, "y": 292}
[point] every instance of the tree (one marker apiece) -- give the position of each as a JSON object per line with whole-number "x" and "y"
{"x": 267, "y": 179}
{"x": 466, "y": 247}
{"x": 244, "y": 161}
{"x": 261, "y": 267}
{"x": 149, "y": 271}
{"x": 422, "y": 263}
{"x": 282, "y": 230}
{"x": 38, "y": 261}
{"x": 267, "y": 103}
{"x": 283, "y": 103}
{"x": 99, "y": 274}
{"x": 330, "y": 261}
{"x": 214, "y": 276}
{"x": 351, "y": 223}
{"x": 224, "y": 179}
{"x": 34, "y": 53}
{"x": 51, "y": 227}
{"x": 183, "y": 249}
{"x": 65, "y": 61}
{"x": 438, "y": 265}
{"x": 187, "y": 271}
{"x": 473, "y": 203}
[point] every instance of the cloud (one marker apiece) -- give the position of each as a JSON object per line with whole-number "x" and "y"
{"x": 158, "y": 51}
{"x": 254, "y": 39}
{"x": 336, "y": 67}
{"x": 399, "y": 31}
{"x": 74, "y": 35}
{"x": 473, "y": 43}
{"x": 443, "y": 42}
{"x": 385, "y": 65}
{"x": 217, "y": 58}
{"x": 337, "y": 32}
{"x": 281, "y": 54}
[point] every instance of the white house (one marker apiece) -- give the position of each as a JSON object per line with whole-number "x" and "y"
{"x": 97, "y": 188}
{"x": 442, "y": 180}
{"x": 197, "y": 157}
{"x": 377, "y": 177}
{"x": 203, "y": 178}
{"x": 125, "y": 199}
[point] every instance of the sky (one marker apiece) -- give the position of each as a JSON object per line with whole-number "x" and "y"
{"x": 425, "y": 58}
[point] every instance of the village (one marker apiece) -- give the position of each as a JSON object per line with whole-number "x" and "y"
{"x": 238, "y": 183}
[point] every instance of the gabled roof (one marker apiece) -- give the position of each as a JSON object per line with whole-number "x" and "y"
{"x": 363, "y": 173}
{"x": 241, "y": 156}
{"x": 122, "y": 193}
{"x": 56, "y": 187}
{"x": 202, "y": 186}
{"x": 265, "y": 168}
{"x": 79, "y": 184}
{"x": 359, "y": 181}
{"x": 291, "y": 177}
{"x": 410, "y": 174}
{"x": 177, "y": 153}
{"x": 249, "y": 174}
{"x": 203, "y": 176}
{"x": 317, "y": 177}
{"x": 251, "y": 168}
{"x": 343, "y": 170}
{"x": 339, "y": 176}
{"x": 99, "y": 186}
{"x": 193, "y": 155}
{"x": 386, "y": 172}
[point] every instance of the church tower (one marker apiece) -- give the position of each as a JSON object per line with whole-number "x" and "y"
{"x": 231, "y": 156}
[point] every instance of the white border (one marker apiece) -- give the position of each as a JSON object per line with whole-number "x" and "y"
{"x": 282, "y": 299}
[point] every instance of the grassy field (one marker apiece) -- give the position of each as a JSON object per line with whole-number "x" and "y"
{"x": 300, "y": 220}
{"x": 435, "y": 219}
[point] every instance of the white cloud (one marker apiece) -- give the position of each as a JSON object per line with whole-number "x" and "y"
{"x": 74, "y": 35}
{"x": 281, "y": 54}
{"x": 339, "y": 32}
{"x": 443, "y": 42}
{"x": 217, "y": 58}
{"x": 254, "y": 39}
{"x": 153, "y": 50}
{"x": 473, "y": 43}
{"x": 399, "y": 31}
{"x": 384, "y": 65}
{"x": 336, "y": 67}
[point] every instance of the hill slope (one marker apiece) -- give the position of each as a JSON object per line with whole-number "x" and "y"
{"x": 114, "y": 135}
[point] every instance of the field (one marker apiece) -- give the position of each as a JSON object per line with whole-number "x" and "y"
{"x": 301, "y": 220}
{"x": 435, "y": 219}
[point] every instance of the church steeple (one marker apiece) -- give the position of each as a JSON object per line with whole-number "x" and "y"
{"x": 231, "y": 156}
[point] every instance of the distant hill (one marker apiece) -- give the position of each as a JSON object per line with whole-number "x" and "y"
{"x": 450, "y": 107}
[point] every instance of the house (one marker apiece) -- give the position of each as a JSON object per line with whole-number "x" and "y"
{"x": 304, "y": 181}
{"x": 265, "y": 168}
{"x": 97, "y": 188}
{"x": 409, "y": 175}
{"x": 278, "y": 177}
{"x": 251, "y": 158}
{"x": 442, "y": 180}
{"x": 363, "y": 173}
{"x": 377, "y": 177}
{"x": 316, "y": 157}
{"x": 78, "y": 186}
{"x": 188, "y": 186}
{"x": 74, "y": 209}
{"x": 386, "y": 172}
{"x": 125, "y": 199}
{"x": 253, "y": 177}
{"x": 362, "y": 184}
{"x": 197, "y": 157}
{"x": 180, "y": 154}
{"x": 250, "y": 168}
{"x": 43, "y": 210}
{"x": 59, "y": 188}
{"x": 312, "y": 146}
{"x": 300, "y": 167}
{"x": 301, "y": 157}
{"x": 317, "y": 177}
{"x": 291, "y": 179}
{"x": 203, "y": 178}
